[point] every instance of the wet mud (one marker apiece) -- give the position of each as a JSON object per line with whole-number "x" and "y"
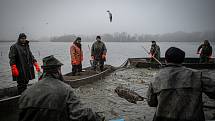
{"x": 101, "y": 97}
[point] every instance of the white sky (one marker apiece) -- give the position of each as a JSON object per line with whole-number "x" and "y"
{"x": 47, "y": 18}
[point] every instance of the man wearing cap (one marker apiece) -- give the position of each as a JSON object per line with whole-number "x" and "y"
{"x": 22, "y": 63}
{"x": 98, "y": 53}
{"x": 76, "y": 54}
{"x": 154, "y": 52}
{"x": 177, "y": 91}
{"x": 53, "y": 100}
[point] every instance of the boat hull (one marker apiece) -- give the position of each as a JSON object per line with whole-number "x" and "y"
{"x": 188, "y": 62}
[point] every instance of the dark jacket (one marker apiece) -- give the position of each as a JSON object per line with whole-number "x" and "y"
{"x": 22, "y": 57}
{"x": 177, "y": 93}
{"x": 206, "y": 50}
{"x": 98, "y": 49}
{"x": 52, "y": 100}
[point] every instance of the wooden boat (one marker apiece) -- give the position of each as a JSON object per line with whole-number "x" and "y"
{"x": 87, "y": 76}
{"x": 188, "y": 62}
{"x": 9, "y": 96}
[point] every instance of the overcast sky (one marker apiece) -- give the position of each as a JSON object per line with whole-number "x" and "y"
{"x": 48, "y": 18}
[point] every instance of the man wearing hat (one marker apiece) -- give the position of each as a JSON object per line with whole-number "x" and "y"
{"x": 98, "y": 53}
{"x": 155, "y": 52}
{"x": 22, "y": 63}
{"x": 177, "y": 91}
{"x": 51, "y": 99}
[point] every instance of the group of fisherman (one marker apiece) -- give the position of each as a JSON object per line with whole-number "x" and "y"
{"x": 176, "y": 90}
{"x": 22, "y": 61}
{"x": 98, "y": 55}
{"x": 205, "y": 51}
{"x": 51, "y": 99}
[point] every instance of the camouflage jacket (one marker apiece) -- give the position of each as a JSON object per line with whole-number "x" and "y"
{"x": 177, "y": 93}
{"x": 98, "y": 48}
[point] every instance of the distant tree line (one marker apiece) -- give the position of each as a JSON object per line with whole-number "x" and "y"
{"x": 125, "y": 37}
{"x": 65, "y": 38}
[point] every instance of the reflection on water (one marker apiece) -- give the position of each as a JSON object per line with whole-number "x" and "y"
{"x": 117, "y": 54}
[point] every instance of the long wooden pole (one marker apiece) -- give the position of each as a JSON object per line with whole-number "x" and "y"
{"x": 152, "y": 56}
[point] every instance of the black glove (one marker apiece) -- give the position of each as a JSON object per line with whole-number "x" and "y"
{"x": 100, "y": 116}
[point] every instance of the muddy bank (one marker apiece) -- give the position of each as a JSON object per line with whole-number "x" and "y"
{"x": 101, "y": 96}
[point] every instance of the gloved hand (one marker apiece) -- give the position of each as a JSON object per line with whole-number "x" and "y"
{"x": 14, "y": 70}
{"x": 74, "y": 62}
{"x": 92, "y": 57}
{"x": 104, "y": 56}
{"x": 150, "y": 55}
{"x": 37, "y": 66}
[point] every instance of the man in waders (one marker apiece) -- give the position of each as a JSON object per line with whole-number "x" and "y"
{"x": 154, "y": 52}
{"x": 206, "y": 52}
{"x": 53, "y": 100}
{"x": 22, "y": 63}
{"x": 177, "y": 91}
{"x": 98, "y": 53}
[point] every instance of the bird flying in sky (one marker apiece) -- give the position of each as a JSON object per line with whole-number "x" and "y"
{"x": 110, "y": 15}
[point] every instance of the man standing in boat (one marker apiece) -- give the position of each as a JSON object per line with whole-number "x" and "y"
{"x": 177, "y": 91}
{"x": 206, "y": 52}
{"x": 154, "y": 52}
{"x": 76, "y": 56}
{"x": 98, "y": 53}
{"x": 53, "y": 100}
{"x": 22, "y": 63}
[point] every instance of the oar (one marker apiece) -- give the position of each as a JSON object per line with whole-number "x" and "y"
{"x": 152, "y": 56}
